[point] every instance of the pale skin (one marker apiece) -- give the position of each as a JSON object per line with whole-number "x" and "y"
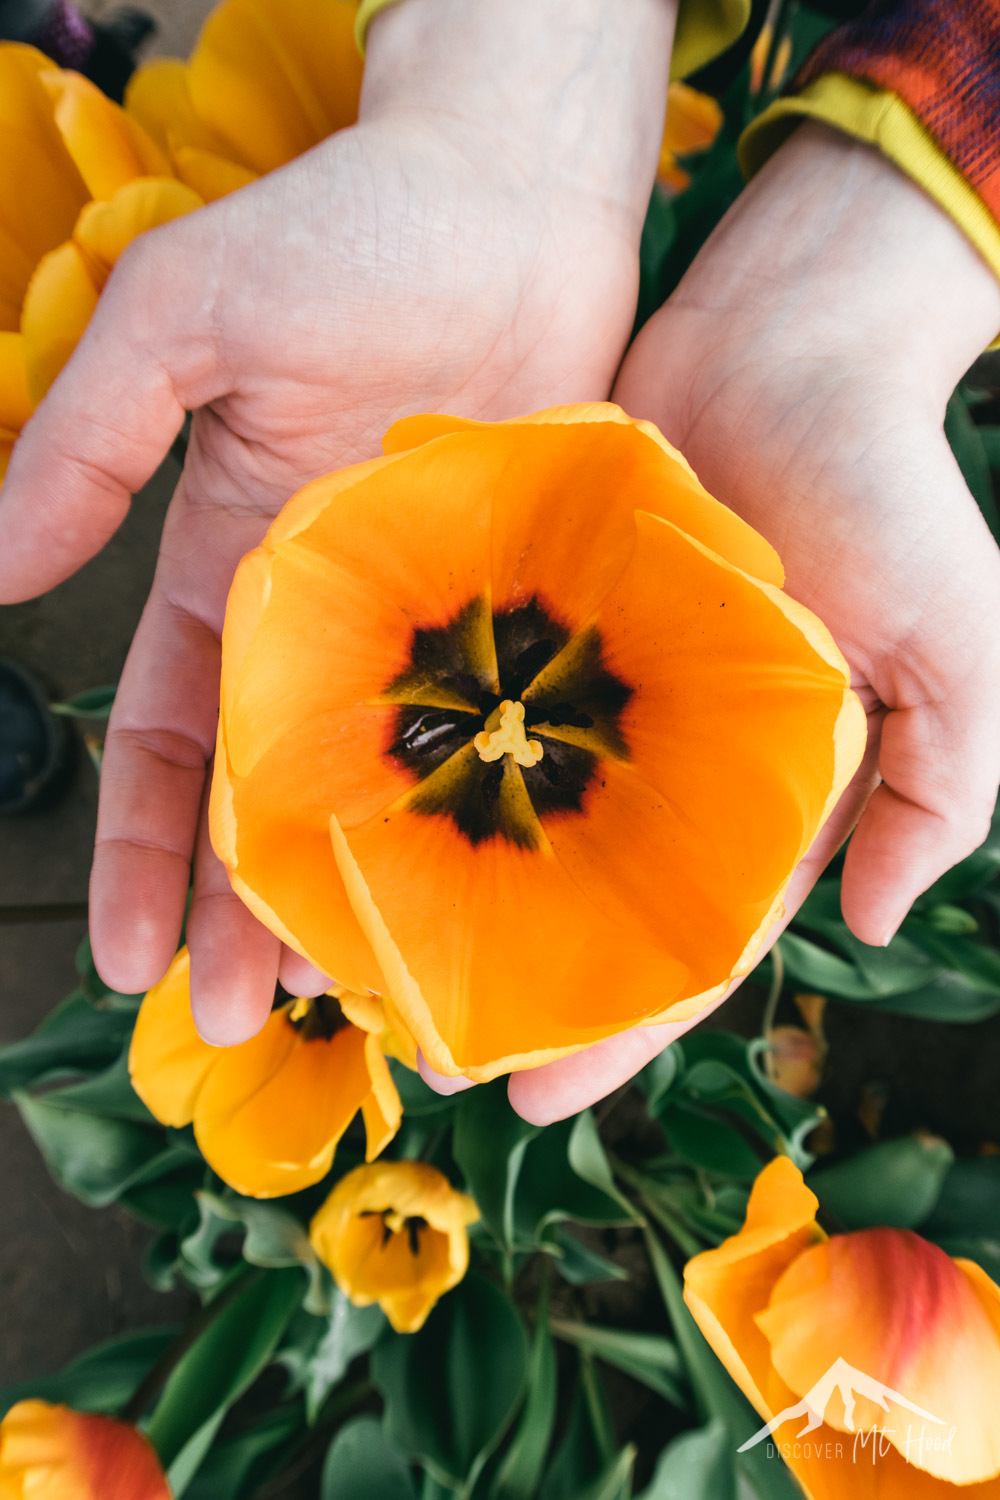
{"x": 481, "y": 258}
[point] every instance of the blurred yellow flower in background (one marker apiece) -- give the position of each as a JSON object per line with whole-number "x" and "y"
{"x": 54, "y": 1453}
{"x": 395, "y": 1233}
{"x": 693, "y": 122}
{"x": 267, "y": 80}
{"x": 268, "y": 1114}
{"x": 79, "y": 181}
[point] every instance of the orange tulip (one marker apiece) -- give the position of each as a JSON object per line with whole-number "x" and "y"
{"x": 55, "y": 1453}
{"x": 395, "y": 1233}
{"x": 268, "y": 1114}
{"x": 267, "y": 80}
{"x": 79, "y": 181}
{"x": 880, "y": 1352}
{"x": 518, "y": 726}
{"x": 693, "y": 122}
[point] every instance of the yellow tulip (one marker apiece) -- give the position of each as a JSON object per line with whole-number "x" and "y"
{"x": 268, "y": 1114}
{"x": 395, "y": 1233}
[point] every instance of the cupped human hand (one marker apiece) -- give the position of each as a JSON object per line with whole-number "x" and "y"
{"x": 803, "y": 366}
{"x": 447, "y": 253}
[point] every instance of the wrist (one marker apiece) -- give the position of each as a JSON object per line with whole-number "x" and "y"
{"x": 570, "y": 92}
{"x": 834, "y": 244}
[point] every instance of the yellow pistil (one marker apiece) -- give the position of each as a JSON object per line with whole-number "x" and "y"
{"x": 509, "y": 738}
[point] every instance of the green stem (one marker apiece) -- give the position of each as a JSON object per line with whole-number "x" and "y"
{"x": 339, "y": 1404}
{"x": 770, "y": 1010}
{"x": 150, "y": 1388}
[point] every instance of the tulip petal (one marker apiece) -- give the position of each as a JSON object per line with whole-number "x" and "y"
{"x": 104, "y": 230}
{"x": 902, "y": 1312}
{"x": 109, "y": 149}
{"x": 382, "y": 1109}
{"x": 157, "y": 96}
{"x": 209, "y": 174}
{"x": 15, "y": 403}
{"x": 506, "y": 914}
{"x": 272, "y": 83}
{"x": 272, "y": 1110}
{"x": 693, "y": 120}
{"x": 60, "y": 1454}
{"x": 622, "y": 472}
{"x": 726, "y": 1288}
{"x": 32, "y": 222}
{"x": 168, "y": 1061}
{"x": 59, "y": 303}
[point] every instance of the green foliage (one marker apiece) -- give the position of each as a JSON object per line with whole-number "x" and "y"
{"x": 451, "y": 1389}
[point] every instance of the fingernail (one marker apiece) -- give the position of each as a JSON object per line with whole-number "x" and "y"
{"x": 442, "y": 1083}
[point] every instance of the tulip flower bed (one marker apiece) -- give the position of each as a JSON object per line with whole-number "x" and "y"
{"x": 477, "y": 761}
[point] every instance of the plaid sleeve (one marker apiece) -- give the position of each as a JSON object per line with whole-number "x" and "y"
{"x": 942, "y": 59}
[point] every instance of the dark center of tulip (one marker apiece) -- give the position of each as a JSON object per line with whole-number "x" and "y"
{"x": 498, "y": 749}
{"x": 316, "y": 1020}
{"x": 392, "y": 1223}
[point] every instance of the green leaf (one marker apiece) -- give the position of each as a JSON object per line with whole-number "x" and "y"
{"x": 586, "y": 1155}
{"x": 578, "y": 1263}
{"x": 718, "y": 1396}
{"x": 709, "y": 1143}
{"x": 103, "y": 1379}
{"x": 580, "y": 1454}
{"x": 108, "y": 1093}
{"x": 77, "y": 1037}
{"x": 893, "y": 1184}
{"x": 222, "y": 1363}
{"x": 451, "y": 1389}
{"x": 361, "y": 1448}
{"x": 553, "y": 1186}
{"x": 650, "y": 1358}
{"x": 489, "y": 1145}
{"x": 971, "y": 457}
{"x": 237, "y": 1465}
{"x": 615, "y": 1481}
{"x": 969, "y": 1200}
{"x": 696, "y": 1466}
{"x": 92, "y": 703}
{"x": 659, "y": 1076}
{"x": 273, "y": 1238}
{"x": 95, "y": 1158}
{"x": 349, "y": 1331}
{"x": 519, "y": 1475}
{"x": 816, "y": 969}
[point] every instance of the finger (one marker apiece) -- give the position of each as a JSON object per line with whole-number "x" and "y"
{"x": 106, "y": 424}
{"x": 939, "y": 770}
{"x": 160, "y": 738}
{"x": 299, "y": 977}
{"x": 563, "y": 1088}
{"x": 440, "y": 1082}
{"x": 234, "y": 960}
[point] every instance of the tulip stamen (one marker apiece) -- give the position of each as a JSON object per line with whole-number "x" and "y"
{"x": 393, "y": 1223}
{"x": 508, "y": 737}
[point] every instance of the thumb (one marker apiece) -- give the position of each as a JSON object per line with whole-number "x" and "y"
{"x": 109, "y": 420}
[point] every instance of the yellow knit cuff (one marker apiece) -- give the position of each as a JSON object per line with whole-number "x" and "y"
{"x": 367, "y": 12}
{"x": 880, "y": 118}
{"x": 705, "y": 28}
